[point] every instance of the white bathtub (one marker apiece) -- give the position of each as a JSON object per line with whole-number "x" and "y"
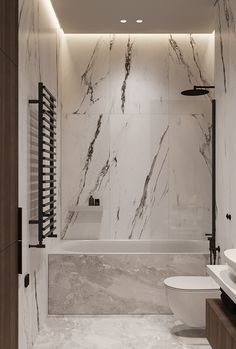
{"x": 132, "y": 247}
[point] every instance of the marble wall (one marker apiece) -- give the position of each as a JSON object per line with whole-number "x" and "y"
{"x": 226, "y": 121}
{"x": 131, "y": 139}
{"x": 39, "y": 60}
{"x": 116, "y": 284}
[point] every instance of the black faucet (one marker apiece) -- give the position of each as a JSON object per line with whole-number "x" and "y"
{"x": 212, "y": 248}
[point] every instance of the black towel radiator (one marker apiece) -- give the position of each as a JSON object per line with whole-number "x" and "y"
{"x": 46, "y": 220}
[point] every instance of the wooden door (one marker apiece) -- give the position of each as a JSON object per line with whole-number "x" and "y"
{"x": 8, "y": 173}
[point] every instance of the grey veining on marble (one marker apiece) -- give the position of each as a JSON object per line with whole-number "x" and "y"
{"x": 130, "y": 138}
{"x": 128, "y": 61}
{"x": 117, "y": 332}
{"x": 225, "y": 45}
{"x": 115, "y": 284}
{"x": 142, "y": 205}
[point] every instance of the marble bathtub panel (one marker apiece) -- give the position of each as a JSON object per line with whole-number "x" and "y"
{"x": 115, "y": 284}
{"x": 139, "y": 181}
{"x": 190, "y": 176}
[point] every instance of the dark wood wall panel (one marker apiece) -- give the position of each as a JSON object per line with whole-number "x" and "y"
{"x": 8, "y": 174}
{"x": 9, "y": 305}
{"x": 8, "y": 152}
{"x": 8, "y": 25}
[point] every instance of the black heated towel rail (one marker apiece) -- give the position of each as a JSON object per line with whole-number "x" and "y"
{"x": 46, "y": 220}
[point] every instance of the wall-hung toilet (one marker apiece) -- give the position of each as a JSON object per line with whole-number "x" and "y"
{"x": 187, "y": 297}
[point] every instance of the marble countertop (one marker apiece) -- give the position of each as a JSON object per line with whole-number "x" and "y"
{"x": 224, "y": 278}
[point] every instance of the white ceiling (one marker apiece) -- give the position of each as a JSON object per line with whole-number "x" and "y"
{"x": 159, "y": 16}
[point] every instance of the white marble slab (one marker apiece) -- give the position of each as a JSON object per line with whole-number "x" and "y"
{"x": 138, "y": 182}
{"x": 120, "y": 94}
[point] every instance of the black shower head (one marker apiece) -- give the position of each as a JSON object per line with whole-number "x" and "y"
{"x": 194, "y": 92}
{"x": 197, "y": 91}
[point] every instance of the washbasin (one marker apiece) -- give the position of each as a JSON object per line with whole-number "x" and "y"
{"x": 230, "y": 257}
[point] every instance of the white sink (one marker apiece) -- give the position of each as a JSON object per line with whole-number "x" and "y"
{"x": 230, "y": 257}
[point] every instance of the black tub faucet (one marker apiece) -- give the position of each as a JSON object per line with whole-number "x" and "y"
{"x": 212, "y": 248}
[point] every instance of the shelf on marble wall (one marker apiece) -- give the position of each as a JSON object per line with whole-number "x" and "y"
{"x": 88, "y": 222}
{"x": 86, "y": 209}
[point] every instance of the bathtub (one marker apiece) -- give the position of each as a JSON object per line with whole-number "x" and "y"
{"x": 131, "y": 247}
{"x": 119, "y": 277}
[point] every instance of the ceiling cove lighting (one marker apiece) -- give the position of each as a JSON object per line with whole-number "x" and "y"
{"x": 139, "y": 21}
{"x": 52, "y": 14}
{"x": 123, "y": 21}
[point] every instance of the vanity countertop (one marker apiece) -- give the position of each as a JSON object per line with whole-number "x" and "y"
{"x": 224, "y": 278}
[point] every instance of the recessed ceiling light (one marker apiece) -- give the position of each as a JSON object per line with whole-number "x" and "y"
{"x": 123, "y": 20}
{"x": 139, "y": 21}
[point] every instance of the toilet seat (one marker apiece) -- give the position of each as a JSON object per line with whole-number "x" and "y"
{"x": 192, "y": 283}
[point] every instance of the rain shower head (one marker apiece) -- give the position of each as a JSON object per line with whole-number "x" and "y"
{"x": 197, "y": 91}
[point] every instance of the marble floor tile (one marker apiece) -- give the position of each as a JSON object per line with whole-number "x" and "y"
{"x": 115, "y": 332}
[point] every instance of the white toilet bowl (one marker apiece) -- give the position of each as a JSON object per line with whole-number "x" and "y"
{"x": 187, "y": 297}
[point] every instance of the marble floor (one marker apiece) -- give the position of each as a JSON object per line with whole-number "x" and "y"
{"x": 117, "y": 332}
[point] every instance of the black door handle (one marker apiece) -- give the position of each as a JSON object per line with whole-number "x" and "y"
{"x": 19, "y": 242}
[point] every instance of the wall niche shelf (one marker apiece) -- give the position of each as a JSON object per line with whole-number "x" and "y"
{"x": 84, "y": 208}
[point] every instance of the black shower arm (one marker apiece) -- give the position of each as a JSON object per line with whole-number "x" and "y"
{"x": 197, "y": 87}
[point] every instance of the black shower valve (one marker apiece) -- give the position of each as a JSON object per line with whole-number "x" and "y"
{"x": 228, "y": 216}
